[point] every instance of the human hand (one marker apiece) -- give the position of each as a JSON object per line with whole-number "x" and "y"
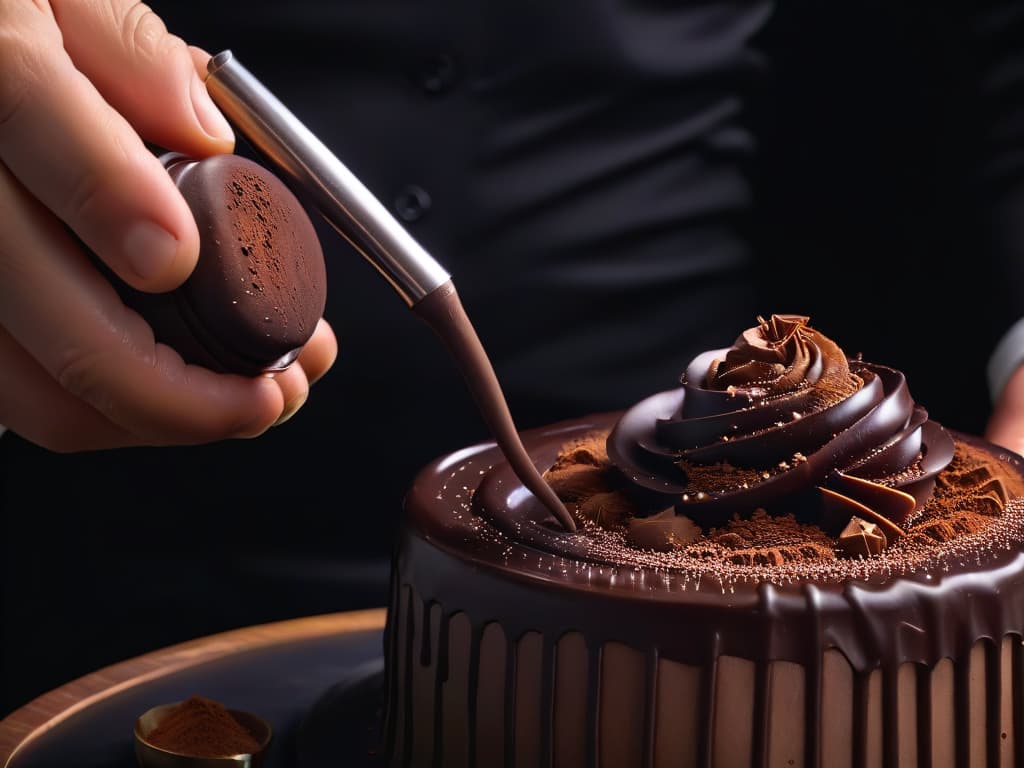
{"x": 1006, "y": 425}
{"x": 83, "y": 84}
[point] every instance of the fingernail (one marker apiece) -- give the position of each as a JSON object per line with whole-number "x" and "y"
{"x": 212, "y": 121}
{"x": 150, "y": 249}
{"x": 291, "y": 409}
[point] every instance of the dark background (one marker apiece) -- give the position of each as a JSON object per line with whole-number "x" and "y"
{"x": 883, "y": 176}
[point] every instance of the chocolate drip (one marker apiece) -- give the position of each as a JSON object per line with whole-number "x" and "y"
{"x": 425, "y": 654}
{"x": 475, "y": 638}
{"x": 993, "y": 695}
{"x": 391, "y": 649}
{"x": 860, "y": 719}
{"x": 961, "y": 706}
{"x": 509, "y": 692}
{"x": 443, "y": 311}
{"x": 813, "y": 680}
{"x": 440, "y": 678}
{"x": 546, "y": 711}
{"x": 1018, "y": 693}
{"x": 650, "y": 707}
{"x": 890, "y": 714}
{"x": 593, "y": 703}
{"x": 709, "y": 689}
{"x": 759, "y": 743}
{"x": 924, "y": 715}
{"x": 410, "y": 642}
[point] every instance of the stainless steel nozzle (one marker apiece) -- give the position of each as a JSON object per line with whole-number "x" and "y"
{"x": 338, "y": 195}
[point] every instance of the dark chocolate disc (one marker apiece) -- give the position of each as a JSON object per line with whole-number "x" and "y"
{"x": 260, "y": 285}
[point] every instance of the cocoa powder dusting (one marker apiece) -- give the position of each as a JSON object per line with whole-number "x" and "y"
{"x": 204, "y": 728}
{"x": 765, "y": 540}
{"x": 722, "y": 476}
{"x": 970, "y": 496}
{"x": 590, "y": 450}
{"x": 581, "y": 478}
{"x": 263, "y": 233}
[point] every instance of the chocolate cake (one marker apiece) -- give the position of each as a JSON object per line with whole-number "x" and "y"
{"x": 782, "y": 562}
{"x": 260, "y": 284}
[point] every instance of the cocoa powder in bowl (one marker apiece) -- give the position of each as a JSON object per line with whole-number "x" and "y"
{"x": 202, "y": 727}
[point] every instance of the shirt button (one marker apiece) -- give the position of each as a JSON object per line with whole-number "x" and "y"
{"x": 412, "y": 202}
{"x": 437, "y": 74}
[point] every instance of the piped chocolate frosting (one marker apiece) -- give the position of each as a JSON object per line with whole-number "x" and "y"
{"x": 784, "y": 421}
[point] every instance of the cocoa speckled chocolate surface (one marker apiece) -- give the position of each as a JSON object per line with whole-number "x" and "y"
{"x": 260, "y": 285}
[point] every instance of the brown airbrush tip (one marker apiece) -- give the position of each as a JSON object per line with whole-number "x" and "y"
{"x": 443, "y": 311}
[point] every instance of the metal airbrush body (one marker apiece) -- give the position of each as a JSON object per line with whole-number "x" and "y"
{"x": 336, "y": 192}
{"x": 369, "y": 227}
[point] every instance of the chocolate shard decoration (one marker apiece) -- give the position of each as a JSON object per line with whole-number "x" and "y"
{"x": 997, "y": 488}
{"x": 837, "y": 507}
{"x": 894, "y": 504}
{"x": 861, "y": 538}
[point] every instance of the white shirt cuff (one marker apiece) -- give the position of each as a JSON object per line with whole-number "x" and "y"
{"x": 1007, "y": 356}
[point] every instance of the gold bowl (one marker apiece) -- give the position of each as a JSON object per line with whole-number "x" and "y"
{"x": 151, "y": 756}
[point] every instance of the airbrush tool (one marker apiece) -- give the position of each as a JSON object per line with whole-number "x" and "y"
{"x": 351, "y": 209}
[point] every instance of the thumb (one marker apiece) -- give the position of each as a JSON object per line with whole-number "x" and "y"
{"x": 144, "y": 72}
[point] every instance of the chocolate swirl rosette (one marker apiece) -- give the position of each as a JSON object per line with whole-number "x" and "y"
{"x": 783, "y": 421}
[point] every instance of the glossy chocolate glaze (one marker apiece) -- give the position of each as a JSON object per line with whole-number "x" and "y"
{"x": 476, "y": 543}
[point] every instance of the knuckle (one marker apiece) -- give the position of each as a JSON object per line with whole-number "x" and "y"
{"x": 79, "y": 374}
{"x": 143, "y": 31}
{"x": 88, "y": 368}
{"x": 14, "y": 87}
{"x": 25, "y": 36}
{"x": 81, "y": 197}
